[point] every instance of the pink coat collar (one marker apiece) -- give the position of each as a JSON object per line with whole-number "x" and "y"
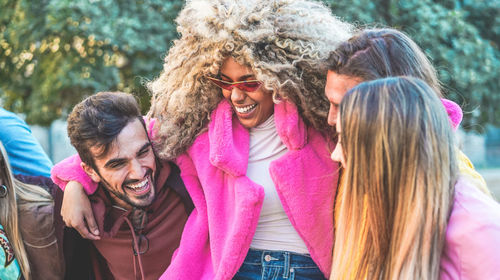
{"x": 229, "y": 147}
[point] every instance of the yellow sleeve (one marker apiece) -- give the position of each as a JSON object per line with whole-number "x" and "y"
{"x": 466, "y": 168}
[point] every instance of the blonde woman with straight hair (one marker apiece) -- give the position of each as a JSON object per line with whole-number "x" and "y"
{"x": 16, "y": 264}
{"x": 26, "y": 211}
{"x": 403, "y": 211}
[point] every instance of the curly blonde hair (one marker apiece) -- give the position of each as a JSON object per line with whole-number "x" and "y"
{"x": 285, "y": 43}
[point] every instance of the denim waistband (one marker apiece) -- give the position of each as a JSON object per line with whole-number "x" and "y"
{"x": 286, "y": 258}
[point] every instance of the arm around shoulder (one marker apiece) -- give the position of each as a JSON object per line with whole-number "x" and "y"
{"x": 70, "y": 169}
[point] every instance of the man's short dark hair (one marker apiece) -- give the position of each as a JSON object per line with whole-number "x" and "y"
{"x": 97, "y": 121}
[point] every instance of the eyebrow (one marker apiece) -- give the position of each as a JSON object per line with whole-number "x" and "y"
{"x": 114, "y": 161}
{"x": 144, "y": 147}
{"x": 242, "y": 78}
{"x": 121, "y": 160}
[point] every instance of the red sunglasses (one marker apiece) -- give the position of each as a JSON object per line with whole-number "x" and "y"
{"x": 248, "y": 86}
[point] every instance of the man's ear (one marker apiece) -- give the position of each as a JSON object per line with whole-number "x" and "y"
{"x": 91, "y": 172}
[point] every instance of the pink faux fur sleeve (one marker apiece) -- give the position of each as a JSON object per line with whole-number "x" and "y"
{"x": 70, "y": 168}
{"x": 454, "y": 112}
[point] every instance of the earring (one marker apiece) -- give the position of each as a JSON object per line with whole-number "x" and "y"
{"x": 3, "y": 191}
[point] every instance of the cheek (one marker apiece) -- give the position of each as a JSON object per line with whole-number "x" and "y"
{"x": 115, "y": 178}
{"x": 266, "y": 101}
{"x": 152, "y": 164}
{"x": 270, "y": 107}
{"x": 226, "y": 94}
{"x": 332, "y": 115}
{"x": 149, "y": 162}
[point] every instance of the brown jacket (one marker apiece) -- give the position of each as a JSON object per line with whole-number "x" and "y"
{"x": 113, "y": 257}
{"x": 36, "y": 222}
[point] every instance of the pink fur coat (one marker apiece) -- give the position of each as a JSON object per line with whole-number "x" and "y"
{"x": 218, "y": 234}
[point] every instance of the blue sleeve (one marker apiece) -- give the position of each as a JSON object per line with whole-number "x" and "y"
{"x": 26, "y": 156}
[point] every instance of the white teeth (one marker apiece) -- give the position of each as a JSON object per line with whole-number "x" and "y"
{"x": 245, "y": 109}
{"x": 138, "y": 185}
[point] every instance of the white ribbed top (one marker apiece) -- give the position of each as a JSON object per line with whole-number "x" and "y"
{"x": 274, "y": 230}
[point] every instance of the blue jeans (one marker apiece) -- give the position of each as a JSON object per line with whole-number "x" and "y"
{"x": 276, "y": 265}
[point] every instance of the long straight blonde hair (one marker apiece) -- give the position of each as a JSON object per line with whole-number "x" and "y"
{"x": 398, "y": 183}
{"x": 9, "y": 218}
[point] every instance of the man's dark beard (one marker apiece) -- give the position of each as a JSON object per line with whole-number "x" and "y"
{"x": 123, "y": 196}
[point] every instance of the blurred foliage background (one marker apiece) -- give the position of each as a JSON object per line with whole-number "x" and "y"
{"x": 55, "y": 52}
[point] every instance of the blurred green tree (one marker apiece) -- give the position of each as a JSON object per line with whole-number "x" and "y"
{"x": 55, "y": 52}
{"x": 460, "y": 36}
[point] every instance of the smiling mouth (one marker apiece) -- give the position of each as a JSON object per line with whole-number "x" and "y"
{"x": 246, "y": 109}
{"x": 141, "y": 187}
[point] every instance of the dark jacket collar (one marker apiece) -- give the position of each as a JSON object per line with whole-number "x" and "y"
{"x": 110, "y": 218}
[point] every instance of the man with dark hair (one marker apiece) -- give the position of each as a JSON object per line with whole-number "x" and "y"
{"x": 110, "y": 136}
{"x": 140, "y": 205}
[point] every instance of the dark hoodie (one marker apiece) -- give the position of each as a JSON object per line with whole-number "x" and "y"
{"x": 154, "y": 231}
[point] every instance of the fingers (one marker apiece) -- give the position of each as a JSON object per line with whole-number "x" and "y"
{"x": 83, "y": 230}
{"x": 77, "y": 212}
{"x": 92, "y": 226}
{"x": 85, "y": 224}
{"x": 81, "y": 226}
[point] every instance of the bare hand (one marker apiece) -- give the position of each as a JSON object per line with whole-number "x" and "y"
{"x": 77, "y": 212}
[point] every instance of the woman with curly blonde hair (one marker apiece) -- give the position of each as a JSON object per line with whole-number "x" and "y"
{"x": 240, "y": 106}
{"x": 240, "y": 103}
{"x": 281, "y": 42}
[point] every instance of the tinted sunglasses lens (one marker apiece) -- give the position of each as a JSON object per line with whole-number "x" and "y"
{"x": 245, "y": 86}
{"x": 249, "y": 86}
{"x": 221, "y": 84}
